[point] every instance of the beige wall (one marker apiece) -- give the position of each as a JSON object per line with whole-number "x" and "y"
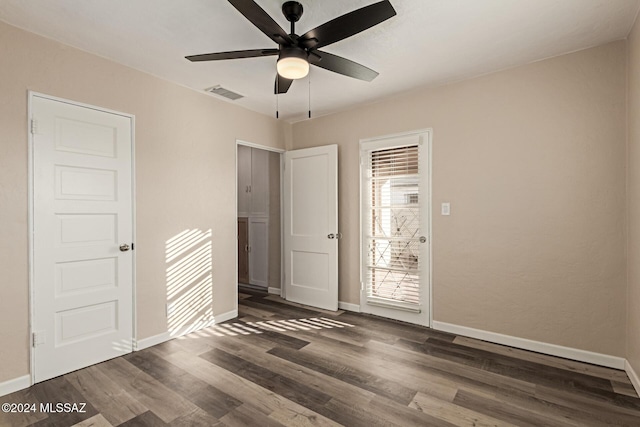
{"x": 633, "y": 197}
{"x": 532, "y": 160}
{"x": 185, "y": 173}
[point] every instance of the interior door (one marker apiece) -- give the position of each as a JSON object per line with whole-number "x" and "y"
{"x": 311, "y": 226}
{"x": 82, "y": 214}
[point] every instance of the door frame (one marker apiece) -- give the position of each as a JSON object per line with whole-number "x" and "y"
{"x": 428, "y": 132}
{"x": 30, "y": 216}
{"x": 279, "y": 151}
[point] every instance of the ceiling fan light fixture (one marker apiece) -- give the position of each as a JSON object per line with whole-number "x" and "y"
{"x": 293, "y": 63}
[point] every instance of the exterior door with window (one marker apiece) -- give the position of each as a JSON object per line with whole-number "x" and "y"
{"x": 395, "y": 255}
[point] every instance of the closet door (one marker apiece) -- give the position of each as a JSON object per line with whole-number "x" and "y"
{"x": 244, "y": 180}
{"x": 243, "y": 250}
{"x": 259, "y": 251}
{"x": 259, "y": 186}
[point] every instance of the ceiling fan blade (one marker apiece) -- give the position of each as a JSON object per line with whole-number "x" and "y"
{"x": 282, "y": 85}
{"x": 236, "y": 54}
{"x": 262, "y": 20}
{"x": 341, "y": 65}
{"x": 347, "y": 25}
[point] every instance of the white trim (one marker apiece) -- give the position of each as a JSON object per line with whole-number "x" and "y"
{"x": 235, "y": 210}
{"x": 223, "y": 317}
{"x": 633, "y": 376}
{"x": 274, "y": 291}
{"x": 430, "y": 151}
{"x": 537, "y": 346}
{"x": 16, "y": 384}
{"x": 261, "y": 147}
{"x": 283, "y": 294}
{"x": 151, "y": 341}
{"x": 134, "y": 240}
{"x": 347, "y": 306}
{"x": 30, "y": 214}
{"x": 79, "y": 104}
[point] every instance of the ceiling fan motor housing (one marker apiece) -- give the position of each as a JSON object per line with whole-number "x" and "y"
{"x": 293, "y": 52}
{"x": 292, "y": 10}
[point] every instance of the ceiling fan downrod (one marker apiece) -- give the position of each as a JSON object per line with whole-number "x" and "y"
{"x": 292, "y": 10}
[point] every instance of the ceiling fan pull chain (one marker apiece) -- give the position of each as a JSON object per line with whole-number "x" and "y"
{"x": 309, "y": 93}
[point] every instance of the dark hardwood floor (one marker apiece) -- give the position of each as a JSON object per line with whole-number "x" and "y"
{"x": 281, "y": 364}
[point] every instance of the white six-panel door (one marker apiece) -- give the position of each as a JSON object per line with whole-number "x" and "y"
{"x": 311, "y": 226}
{"x": 82, "y": 213}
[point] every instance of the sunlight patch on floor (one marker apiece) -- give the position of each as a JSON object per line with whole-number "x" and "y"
{"x": 250, "y": 328}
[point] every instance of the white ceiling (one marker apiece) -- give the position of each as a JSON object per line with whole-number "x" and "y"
{"x": 429, "y": 42}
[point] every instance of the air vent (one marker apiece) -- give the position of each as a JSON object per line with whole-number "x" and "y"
{"x": 225, "y": 93}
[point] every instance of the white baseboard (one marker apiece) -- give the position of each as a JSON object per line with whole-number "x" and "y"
{"x": 151, "y": 341}
{"x": 223, "y": 317}
{"x": 275, "y": 291}
{"x": 348, "y": 306}
{"x": 187, "y": 329}
{"x": 16, "y": 384}
{"x": 633, "y": 376}
{"x": 537, "y": 346}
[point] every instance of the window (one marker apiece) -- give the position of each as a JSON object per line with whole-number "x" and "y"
{"x": 392, "y": 226}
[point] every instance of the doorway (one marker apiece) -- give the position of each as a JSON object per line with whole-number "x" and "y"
{"x": 259, "y": 217}
{"x": 81, "y": 243}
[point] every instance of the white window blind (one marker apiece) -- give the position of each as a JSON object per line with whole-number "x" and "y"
{"x": 392, "y": 227}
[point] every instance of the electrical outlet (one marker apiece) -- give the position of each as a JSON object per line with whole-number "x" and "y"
{"x": 445, "y": 209}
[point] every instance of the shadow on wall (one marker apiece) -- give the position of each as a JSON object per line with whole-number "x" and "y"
{"x": 189, "y": 282}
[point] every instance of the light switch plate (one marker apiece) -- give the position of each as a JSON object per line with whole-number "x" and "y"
{"x": 445, "y": 209}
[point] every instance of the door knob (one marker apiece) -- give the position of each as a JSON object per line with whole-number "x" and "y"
{"x": 423, "y": 239}
{"x": 331, "y": 236}
{"x": 124, "y": 248}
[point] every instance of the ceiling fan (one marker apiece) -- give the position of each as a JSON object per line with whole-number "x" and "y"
{"x": 295, "y": 52}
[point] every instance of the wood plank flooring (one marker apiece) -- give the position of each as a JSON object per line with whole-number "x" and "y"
{"x": 282, "y": 364}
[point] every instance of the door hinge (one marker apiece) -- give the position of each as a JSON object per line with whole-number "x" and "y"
{"x": 38, "y": 338}
{"x": 34, "y": 126}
